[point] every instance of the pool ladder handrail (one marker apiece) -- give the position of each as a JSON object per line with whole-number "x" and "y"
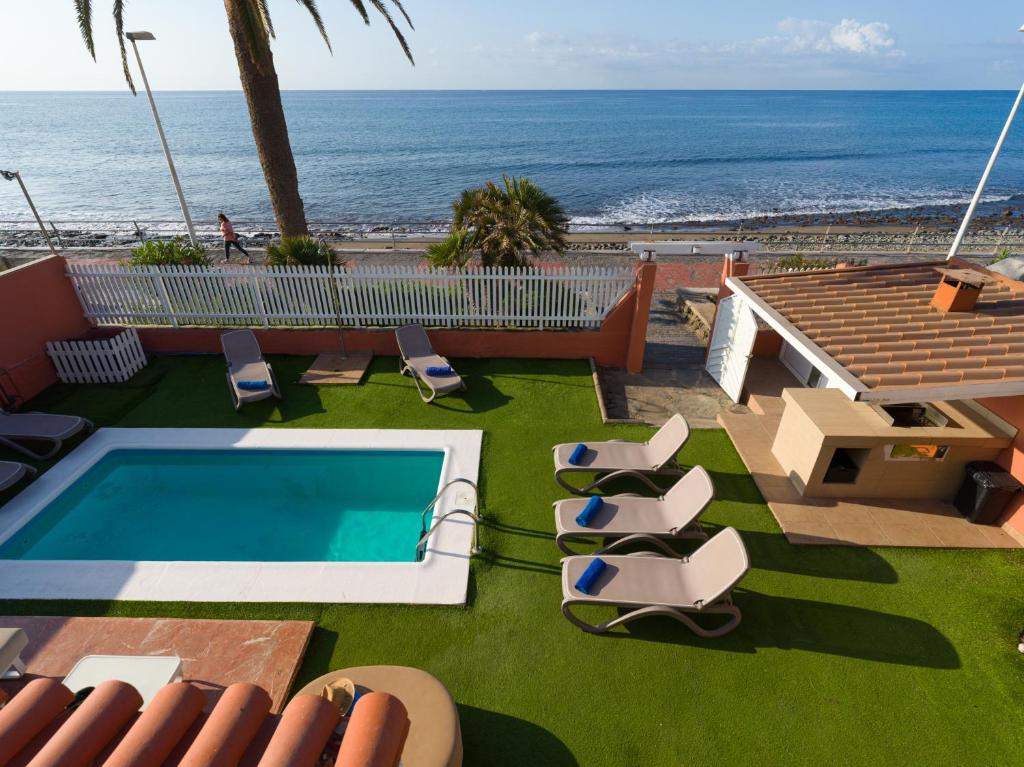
{"x": 474, "y": 515}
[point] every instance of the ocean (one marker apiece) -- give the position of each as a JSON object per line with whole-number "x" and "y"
{"x": 608, "y": 156}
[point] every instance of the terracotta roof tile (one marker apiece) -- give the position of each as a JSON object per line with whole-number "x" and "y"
{"x": 878, "y": 322}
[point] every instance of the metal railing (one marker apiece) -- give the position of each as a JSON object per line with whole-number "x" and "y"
{"x": 474, "y": 515}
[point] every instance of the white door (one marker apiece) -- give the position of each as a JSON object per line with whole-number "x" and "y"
{"x": 731, "y": 345}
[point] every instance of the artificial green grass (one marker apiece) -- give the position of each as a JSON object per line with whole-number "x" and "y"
{"x": 845, "y": 655}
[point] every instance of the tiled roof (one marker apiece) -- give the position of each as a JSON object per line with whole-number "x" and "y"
{"x": 878, "y": 323}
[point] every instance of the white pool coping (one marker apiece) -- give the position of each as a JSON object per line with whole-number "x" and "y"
{"x": 441, "y": 578}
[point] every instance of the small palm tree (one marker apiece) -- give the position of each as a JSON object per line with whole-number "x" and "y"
{"x": 504, "y": 224}
{"x": 251, "y": 32}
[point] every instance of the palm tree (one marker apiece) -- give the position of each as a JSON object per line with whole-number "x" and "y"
{"x": 251, "y": 32}
{"x": 503, "y": 223}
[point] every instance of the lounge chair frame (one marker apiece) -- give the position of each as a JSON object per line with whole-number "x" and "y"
{"x": 240, "y": 397}
{"x": 419, "y": 378}
{"x": 14, "y": 442}
{"x": 668, "y": 468}
{"x": 719, "y": 605}
{"x": 20, "y": 472}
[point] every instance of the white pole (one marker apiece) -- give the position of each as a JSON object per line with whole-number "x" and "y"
{"x": 984, "y": 177}
{"x": 28, "y": 198}
{"x": 167, "y": 149}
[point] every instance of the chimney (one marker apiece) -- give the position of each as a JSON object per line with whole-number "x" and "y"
{"x": 958, "y": 290}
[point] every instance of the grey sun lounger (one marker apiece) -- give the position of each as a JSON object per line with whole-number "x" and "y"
{"x": 19, "y": 428}
{"x": 617, "y": 459}
{"x": 12, "y": 643}
{"x": 630, "y": 519}
{"x": 645, "y": 584}
{"x": 417, "y": 356}
{"x": 12, "y": 472}
{"x": 246, "y": 363}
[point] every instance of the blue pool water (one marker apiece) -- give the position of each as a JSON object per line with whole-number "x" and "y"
{"x": 238, "y": 505}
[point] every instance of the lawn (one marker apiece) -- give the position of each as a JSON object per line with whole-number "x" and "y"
{"x": 845, "y": 655}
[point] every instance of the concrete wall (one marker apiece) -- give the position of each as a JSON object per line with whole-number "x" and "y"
{"x": 1011, "y": 409}
{"x": 37, "y": 304}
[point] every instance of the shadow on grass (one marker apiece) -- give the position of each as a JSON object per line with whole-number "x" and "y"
{"x": 488, "y": 734}
{"x": 525, "y": 532}
{"x": 480, "y": 395}
{"x": 771, "y": 551}
{"x": 818, "y": 627}
{"x": 494, "y": 559}
{"x": 739, "y": 488}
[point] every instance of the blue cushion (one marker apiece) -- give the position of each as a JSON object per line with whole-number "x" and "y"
{"x": 253, "y": 385}
{"x": 577, "y": 453}
{"x": 590, "y": 575}
{"x": 440, "y": 370}
{"x": 593, "y": 506}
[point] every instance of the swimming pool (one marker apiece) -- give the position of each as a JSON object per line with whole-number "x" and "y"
{"x": 238, "y": 505}
{"x": 329, "y": 515}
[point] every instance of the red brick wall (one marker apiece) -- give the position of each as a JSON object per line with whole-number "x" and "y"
{"x": 37, "y": 304}
{"x": 1012, "y": 410}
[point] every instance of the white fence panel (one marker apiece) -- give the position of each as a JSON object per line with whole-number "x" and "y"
{"x": 298, "y": 296}
{"x": 107, "y": 360}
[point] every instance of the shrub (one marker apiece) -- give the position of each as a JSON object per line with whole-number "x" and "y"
{"x": 299, "y": 251}
{"x": 1002, "y": 255}
{"x": 176, "y": 252}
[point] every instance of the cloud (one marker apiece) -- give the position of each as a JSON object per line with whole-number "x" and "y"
{"x": 849, "y": 36}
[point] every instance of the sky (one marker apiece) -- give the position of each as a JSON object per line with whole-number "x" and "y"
{"x": 527, "y": 44}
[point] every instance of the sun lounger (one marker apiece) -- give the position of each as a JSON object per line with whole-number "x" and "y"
{"x": 617, "y": 459}
{"x": 420, "y": 360}
{"x": 19, "y": 428}
{"x": 629, "y": 519}
{"x": 646, "y": 583}
{"x": 12, "y": 472}
{"x": 12, "y": 642}
{"x": 250, "y": 378}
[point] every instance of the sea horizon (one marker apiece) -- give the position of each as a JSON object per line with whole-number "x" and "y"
{"x": 612, "y": 157}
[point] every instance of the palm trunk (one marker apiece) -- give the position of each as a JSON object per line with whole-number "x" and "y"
{"x": 269, "y": 129}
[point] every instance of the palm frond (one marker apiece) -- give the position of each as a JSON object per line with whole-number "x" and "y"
{"x": 401, "y": 9}
{"x": 268, "y": 24}
{"x": 119, "y": 27}
{"x": 310, "y": 5}
{"x": 383, "y": 9}
{"x": 361, "y": 7}
{"x": 258, "y": 30}
{"x": 83, "y": 10}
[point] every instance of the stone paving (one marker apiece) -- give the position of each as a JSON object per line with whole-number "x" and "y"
{"x": 673, "y": 380}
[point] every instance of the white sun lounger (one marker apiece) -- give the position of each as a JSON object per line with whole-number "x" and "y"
{"x": 630, "y": 519}
{"x": 12, "y": 472}
{"x": 418, "y": 356}
{"x": 18, "y": 428}
{"x": 246, "y": 363}
{"x": 616, "y": 459}
{"x": 646, "y": 584}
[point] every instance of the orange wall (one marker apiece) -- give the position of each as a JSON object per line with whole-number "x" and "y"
{"x": 1012, "y": 409}
{"x": 37, "y": 304}
{"x": 609, "y": 346}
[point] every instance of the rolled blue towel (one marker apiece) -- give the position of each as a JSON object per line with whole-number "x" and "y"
{"x": 577, "y": 453}
{"x": 440, "y": 370}
{"x": 590, "y": 576}
{"x": 253, "y": 385}
{"x": 593, "y": 506}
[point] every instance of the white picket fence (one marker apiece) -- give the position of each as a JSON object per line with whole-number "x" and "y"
{"x": 363, "y": 296}
{"x": 106, "y": 360}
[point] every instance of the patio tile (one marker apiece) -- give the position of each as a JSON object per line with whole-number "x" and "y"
{"x": 965, "y": 535}
{"x": 859, "y": 533}
{"x": 911, "y": 535}
{"x": 998, "y": 537}
{"x": 214, "y": 653}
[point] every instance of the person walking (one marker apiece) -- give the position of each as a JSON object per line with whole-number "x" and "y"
{"x": 230, "y": 238}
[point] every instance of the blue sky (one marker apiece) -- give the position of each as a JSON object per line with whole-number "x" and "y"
{"x": 545, "y": 44}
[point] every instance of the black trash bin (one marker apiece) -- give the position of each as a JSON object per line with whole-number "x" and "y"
{"x": 986, "y": 491}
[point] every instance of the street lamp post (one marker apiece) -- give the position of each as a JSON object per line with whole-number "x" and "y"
{"x": 13, "y": 175}
{"x": 133, "y": 37}
{"x": 984, "y": 176}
